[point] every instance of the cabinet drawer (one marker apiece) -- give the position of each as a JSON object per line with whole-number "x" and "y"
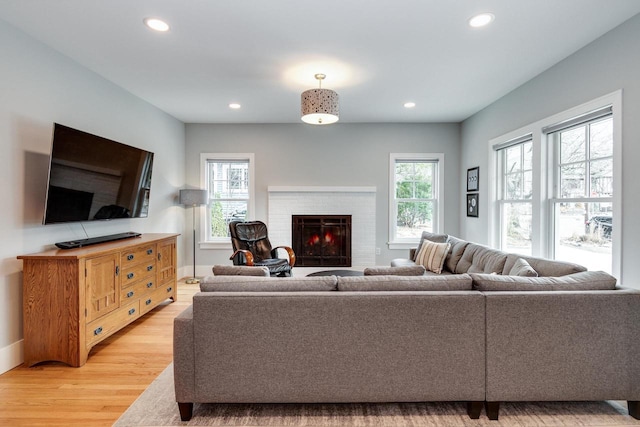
{"x": 138, "y": 290}
{"x": 156, "y": 297}
{"x": 139, "y": 254}
{"x": 101, "y": 328}
{"x": 131, "y": 275}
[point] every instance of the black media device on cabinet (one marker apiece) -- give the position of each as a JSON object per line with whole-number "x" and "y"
{"x": 93, "y": 178}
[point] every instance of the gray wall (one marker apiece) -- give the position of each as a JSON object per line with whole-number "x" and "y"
{"x": 610, "y": 63}
{"x": 336, "y": 155}
{"x": 38, "y": 87}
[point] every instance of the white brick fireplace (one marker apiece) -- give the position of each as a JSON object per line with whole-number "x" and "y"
{"x": 359, "y": 202}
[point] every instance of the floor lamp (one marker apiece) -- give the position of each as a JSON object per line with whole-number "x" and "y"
{"x": 193, "y": 198}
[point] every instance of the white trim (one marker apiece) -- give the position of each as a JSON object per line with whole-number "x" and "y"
{"x": 439, "y": 196}
{"x": 11, "y": 356}
{"x": 319, "y": 189}
{"x": 542, "y": 239}
{"x": 224, "y": 243}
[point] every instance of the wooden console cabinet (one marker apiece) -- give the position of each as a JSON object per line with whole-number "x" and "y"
{"x": 75, "y": 298}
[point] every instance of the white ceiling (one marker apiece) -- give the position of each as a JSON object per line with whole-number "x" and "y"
{"x": 376, "y": 54}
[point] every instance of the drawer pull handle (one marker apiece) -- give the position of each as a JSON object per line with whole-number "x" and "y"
{"x": 129, "y": 257}
{"x": 149, "y": 251}
{"x": 133, "y": 310}
{"x": 130, "y": 276}
{"x": 149, "y": 267}
{"x": 169, "y": 289}
{"x": 150, "y": 284}
{"x": 97, "y": 331}
{"x": 129, "y": 294}
{"x": 147, "y": 302}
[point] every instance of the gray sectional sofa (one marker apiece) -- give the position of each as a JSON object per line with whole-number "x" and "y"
{"x": 469, "y": 336}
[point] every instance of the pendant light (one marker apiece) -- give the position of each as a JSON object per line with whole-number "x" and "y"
{"x": 320, "y": 106}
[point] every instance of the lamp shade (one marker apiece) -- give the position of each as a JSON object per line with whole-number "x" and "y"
{"x": 193, "y": 197}
{"x": 320, "y": 106}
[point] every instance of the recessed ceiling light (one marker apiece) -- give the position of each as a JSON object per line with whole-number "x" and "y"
{"x": 409, "y": 104}
{"x": 156, "y": 24}
{"x": 481, "y": 20}
{"x": 234, "y": 106}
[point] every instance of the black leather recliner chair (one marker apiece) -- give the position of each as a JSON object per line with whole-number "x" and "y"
{"x": 252, "y": 247}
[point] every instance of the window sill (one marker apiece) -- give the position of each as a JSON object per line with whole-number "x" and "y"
{"x": 215, "y": 245}
{"x": 402, "y": 245}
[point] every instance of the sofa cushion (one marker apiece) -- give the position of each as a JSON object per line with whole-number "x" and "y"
{"x": 430, "y": 237}
{"x": 240, "y": 270}
{"x": 583, "y": 281}
{"x": 481, "y": 259}
{"x": 458, "y": 282}
{"x": 522, "y": 268}
{"x": 268, "y": 284}
{"x": 409, "y": 270}
{"x": 432, "y": 255}
{"x": 544, "y": 266}
{"x": 455, "y": 253}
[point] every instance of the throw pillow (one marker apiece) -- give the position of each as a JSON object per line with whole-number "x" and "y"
{"x": 522, "y": 268}
{"x": 431, "y": 237}
{"x": 432, "y": 255}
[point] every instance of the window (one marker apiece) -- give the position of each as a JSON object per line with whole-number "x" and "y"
{"x": 515, "y": 193}
{"x": 228, "y": 179}
{"x": 415, "y": 197}
{"x": 554, "y": 187}
{"x": 582, "y": 203}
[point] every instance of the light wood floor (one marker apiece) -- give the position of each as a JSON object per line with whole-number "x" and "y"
{"x": 118, "y": 370}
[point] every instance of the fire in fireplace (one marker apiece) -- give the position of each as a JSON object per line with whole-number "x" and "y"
{"x": 322, "y": 240}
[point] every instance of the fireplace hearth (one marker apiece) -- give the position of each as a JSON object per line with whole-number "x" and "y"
{"x": 322, "y": 240}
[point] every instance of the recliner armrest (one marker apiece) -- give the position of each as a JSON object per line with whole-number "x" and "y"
{"x": 290, "y": 253}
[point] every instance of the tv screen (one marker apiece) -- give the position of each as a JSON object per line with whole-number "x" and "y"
{"x": 94, "y": 178}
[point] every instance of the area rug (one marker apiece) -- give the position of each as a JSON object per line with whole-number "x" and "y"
{"x": 157, "y": 407}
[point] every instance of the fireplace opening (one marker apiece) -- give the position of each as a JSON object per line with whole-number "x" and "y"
{"x": 322, "y": 240}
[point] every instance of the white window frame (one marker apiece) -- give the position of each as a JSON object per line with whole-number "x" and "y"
{"x": 501, "y": 174}
{"x": 543, "y": 178}
{"x": 438, "y": 190}
{"x": 223, "y": 242}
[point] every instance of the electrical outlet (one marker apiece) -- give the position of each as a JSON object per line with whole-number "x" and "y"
{"x": 377, "y": 251}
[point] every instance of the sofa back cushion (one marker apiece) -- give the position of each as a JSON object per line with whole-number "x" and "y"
{"x": 481, "y": 259}
{"x": 408, "y": 270}
{"x": 543, "y": 266}
{"x": 268, "y": 284}
{"x": 459, "y": 282}
{"x": 240, "y": 270}
{"x": 583, "y": 281}
{"x": 455, "y": 253}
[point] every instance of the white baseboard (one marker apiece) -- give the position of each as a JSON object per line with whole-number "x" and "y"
{"x": 11, "y": 356}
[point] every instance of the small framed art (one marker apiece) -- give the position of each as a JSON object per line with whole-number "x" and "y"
{"x": 473, "y": 179}
{"x": 472, "y": 204}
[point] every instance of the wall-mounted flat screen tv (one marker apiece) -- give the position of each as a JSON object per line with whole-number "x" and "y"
{"x": 95, "y": 178}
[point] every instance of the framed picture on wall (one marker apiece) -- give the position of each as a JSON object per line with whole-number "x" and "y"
{"x": 473, "y": 179}
{"x": 472, "y": 204}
